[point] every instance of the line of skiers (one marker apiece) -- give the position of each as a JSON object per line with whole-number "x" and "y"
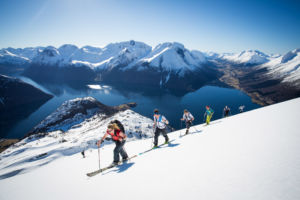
{"x": 117, "y": 132}
{"x": 227, "y": 111}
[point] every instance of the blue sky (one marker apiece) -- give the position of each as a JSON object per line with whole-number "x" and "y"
{"x": 272, "y": 26}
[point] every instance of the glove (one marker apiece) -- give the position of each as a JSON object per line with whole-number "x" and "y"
{"x": 99, "y": 143}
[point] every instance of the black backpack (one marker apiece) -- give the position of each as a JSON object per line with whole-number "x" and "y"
{"x": 120, "y": 125}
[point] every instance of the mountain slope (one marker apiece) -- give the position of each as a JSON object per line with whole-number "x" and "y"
{"x": 247, "y": 156}
{"x": 249, "y": 57}
{"x": 286, "y": 67}
{"x": 16, "y": 93}
{"x": 75, "y": 111}
{"x": 17, "y": 101}
{"x": 75, "y": 126}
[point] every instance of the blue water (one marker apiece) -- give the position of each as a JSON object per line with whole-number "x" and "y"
{"x": 170, "y": 105}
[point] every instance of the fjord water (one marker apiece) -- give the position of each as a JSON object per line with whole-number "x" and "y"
{"x": 147, "y": 99}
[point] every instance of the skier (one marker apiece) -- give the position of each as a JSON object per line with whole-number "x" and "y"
{"x": 119, "y": 137}
{"x": 241, "y": 108}
{"x": 159, "y": 125}
{"x": 188, "y": 118}
{"x": 83, "y": 154}
{"x": 208, "y": 113}
{"x": 226, "y": 111}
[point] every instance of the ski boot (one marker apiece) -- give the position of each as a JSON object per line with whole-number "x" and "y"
{"x": 187, "y": 132}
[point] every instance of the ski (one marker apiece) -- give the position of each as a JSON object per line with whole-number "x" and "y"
{"x": 156, "y": 147}
{"x": 184, "y": 135}
{"x": 108, "y": 167}
{"x": 121, "y": 162}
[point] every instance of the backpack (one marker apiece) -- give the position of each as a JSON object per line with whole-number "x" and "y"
{"x": 159, "y": 123}
{"x": 120, "y": 125}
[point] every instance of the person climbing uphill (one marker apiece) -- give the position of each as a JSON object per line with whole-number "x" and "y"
{"x": 119, "y": 137}
{"x": 208, "y": 113}
{"x": 226, "y": 111}
{"x": 241, "y": 108}
{"x": 159, "y": 125}
{"x": 188, "y": 118}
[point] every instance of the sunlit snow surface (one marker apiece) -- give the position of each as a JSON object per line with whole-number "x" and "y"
{"x": 253, "y": 155}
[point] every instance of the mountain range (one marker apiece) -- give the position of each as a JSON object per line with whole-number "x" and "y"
{"x": 168, "y": 65}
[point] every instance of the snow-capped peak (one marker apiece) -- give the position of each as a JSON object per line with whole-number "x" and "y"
{"x": 251, "y": 57}
{"x": 122, "y": 54}
{"x": 173, "y": 57}
{"x": 67, "y": 50}
{"x": 48, "y": 56}
{"x": 290, "y": 55}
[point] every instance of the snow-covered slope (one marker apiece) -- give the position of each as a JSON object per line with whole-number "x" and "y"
{"x": 72, "y": 112}
{"x": 254, "y": 155}
{"x": 249, "y": 57}
{"x": 286, "y": 67}
{"x": 18, "y": 56}
{"x": 7, "y": 57}
{"x": 74, "y": 126}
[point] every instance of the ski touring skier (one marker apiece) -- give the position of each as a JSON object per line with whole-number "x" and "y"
{"x": 226, "y": 111}
{"x": 160, "y": 124}
{"x": 83, "y": 154}
{"x": 208, "y": 114}
{"x": 188, "y": 118}
{"x": 119, "y": 137}
{"x": 241, "y": 108}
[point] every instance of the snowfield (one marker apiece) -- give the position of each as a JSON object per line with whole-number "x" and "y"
{"x": 253, "y": 155}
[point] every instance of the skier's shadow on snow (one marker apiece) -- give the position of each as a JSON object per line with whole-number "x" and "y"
{"x": 195, "y": 131}
{"x": 121, "y": 168}
{"x": 10, "y": 174}
{"x": 170, "y": 145}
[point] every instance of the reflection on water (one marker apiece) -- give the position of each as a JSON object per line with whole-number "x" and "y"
{"x": 170, "y": 104}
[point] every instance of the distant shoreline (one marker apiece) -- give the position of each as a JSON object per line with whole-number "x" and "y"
{"x": 5, "y": 143}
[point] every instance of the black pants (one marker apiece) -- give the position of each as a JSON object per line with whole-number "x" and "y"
{"x": 188, "y": 124}
{"x": 157, "y": 133}
{"x": 119, "y": 149}
{"x": 226, "y": 113}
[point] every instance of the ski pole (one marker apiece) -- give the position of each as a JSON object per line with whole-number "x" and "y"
{"x": 152, "y": 141}
{"x": 194, "y": 126}
{"x": 99, "y": 156}
{"x": 180, "y": 126}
